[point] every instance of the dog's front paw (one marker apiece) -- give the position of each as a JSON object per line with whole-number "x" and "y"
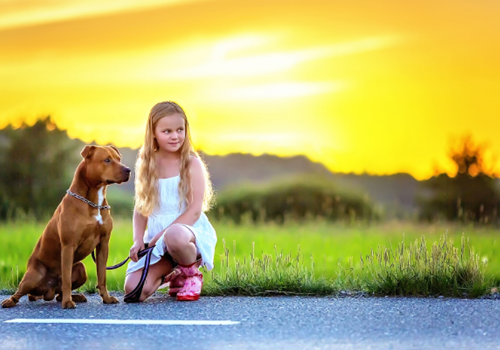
{"x": 69, "y": 304}
{"x": 8, "y": 303}
{"x": 110, "y": 300}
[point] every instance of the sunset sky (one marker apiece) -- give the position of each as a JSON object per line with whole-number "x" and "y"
{"x": 378, "y": 86}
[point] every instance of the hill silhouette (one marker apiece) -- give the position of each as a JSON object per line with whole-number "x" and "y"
{"x": 395, "y": 192}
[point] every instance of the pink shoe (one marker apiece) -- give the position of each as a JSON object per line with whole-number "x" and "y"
{"x": 193, "y": 283}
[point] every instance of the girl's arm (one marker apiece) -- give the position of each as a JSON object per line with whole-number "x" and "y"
{"x": 139, "y": 227}
{"x": 194, "y": 208}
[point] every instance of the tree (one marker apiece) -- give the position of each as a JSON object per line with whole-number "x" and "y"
{"x": 470, "y": 195}
{"x": 34, "y": 162}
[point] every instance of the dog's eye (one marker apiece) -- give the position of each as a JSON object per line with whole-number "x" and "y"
{"x": 107, "y": 160}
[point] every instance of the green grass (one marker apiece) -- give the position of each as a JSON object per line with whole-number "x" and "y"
{"x": 315, "y": 258}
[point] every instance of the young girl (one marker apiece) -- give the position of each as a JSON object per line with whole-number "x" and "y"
{"x": 172, "y": 191}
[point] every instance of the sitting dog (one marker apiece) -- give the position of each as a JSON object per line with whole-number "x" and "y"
{"x": 80, "y": 224}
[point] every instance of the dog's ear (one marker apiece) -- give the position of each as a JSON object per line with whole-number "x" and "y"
{"x": 88, "y": 151}
{"x": 116, "y": 149}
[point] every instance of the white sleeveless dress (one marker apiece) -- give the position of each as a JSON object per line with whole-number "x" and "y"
{"x": 164, "y": 215}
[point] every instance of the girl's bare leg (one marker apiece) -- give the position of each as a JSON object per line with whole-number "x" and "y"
{"x": 153, "y": 280}
{"x": 180, "y": 242}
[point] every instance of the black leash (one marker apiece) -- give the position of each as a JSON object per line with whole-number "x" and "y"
{"x": 143, "y": 252}
{"x": 134, "y": 296}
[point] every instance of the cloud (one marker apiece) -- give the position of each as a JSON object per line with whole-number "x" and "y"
{"x": 281, "y": 90}
{"x": 220, "y": 66}
{"x": 260, "y": 137}
{"x": 225, "y": 47}
{"x": 19, "y": 13}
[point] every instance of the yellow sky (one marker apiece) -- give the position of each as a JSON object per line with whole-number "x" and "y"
{"x": 379, "y": 86}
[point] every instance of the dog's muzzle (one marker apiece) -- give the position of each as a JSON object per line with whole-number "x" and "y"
{"x": 123, "y": 177}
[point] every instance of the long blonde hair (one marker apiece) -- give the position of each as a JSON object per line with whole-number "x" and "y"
{"x": 146, "y": 176}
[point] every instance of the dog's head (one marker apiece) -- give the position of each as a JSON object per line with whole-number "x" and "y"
{"x": 103, "y": 164}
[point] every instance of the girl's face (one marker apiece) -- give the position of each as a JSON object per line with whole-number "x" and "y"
{"x": 170, "y": 132}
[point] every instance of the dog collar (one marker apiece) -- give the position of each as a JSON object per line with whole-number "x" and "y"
{"x": 92, "y": 204}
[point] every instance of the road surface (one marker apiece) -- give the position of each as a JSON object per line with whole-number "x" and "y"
{"x": 255, "y": 323}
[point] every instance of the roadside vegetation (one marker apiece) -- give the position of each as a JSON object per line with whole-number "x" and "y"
{"x": 312, "y": 258}
{"x": 297, "y": 233}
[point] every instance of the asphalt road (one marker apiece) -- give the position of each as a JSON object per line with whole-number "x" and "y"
{"x": 264, "y": 323}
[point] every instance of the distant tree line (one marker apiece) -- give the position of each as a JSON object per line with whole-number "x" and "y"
{"x": 294, "y": 199}
{"x": 37, "y": 163}
{"x": 35, "y": 168}
{"x": 471, "y": 195}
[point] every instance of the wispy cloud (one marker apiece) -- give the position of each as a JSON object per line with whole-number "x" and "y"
{"x": 18, "y": 13}
{"x": 220, "y": 66}
{"x": 222, "y": 49}
{"x": 281, "y": 90}
{"x": 260, "y": 137}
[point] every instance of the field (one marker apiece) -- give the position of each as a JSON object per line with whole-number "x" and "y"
{"x": 325, "y": 249}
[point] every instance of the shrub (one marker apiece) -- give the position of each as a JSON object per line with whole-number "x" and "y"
{"x": 294, "y": 199}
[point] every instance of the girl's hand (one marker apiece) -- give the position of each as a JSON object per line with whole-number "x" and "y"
{"x": 136, "y": 247}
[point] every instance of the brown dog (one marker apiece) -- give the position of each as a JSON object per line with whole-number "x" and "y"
{"x": 73, "y": 232}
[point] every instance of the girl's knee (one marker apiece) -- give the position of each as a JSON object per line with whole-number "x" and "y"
{"x": 177, "y": 237}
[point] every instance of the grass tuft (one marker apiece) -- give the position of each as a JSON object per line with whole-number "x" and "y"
{"x": 415, "y": 269}
{"x": 278, "y": 274}
{"x": 90, "y": 287}
{"x": 412, "y": 269}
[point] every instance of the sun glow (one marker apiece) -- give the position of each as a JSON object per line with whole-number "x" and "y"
{"x": 360, "y": 86}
